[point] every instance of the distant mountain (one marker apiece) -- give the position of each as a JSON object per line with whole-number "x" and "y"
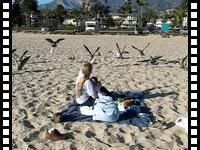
{"x": 113, "y": 4}
{"x": 164, "y": 4}
{"x": 65, "y": 3}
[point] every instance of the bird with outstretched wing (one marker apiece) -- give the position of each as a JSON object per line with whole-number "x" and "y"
{"x": 91, "y": 54}
{"x": 120, "y": 52}
{"x": 152, "y": 60}
{"x": 54, "y": 43}
{"x": 20, "y": 61}
{"x": 141, "y": 51}
{"x": 180, "y": 61}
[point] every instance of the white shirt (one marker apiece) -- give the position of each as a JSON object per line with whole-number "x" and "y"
{"x": 86, "y": 91}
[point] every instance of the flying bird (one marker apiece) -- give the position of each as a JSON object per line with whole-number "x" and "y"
{"x": 152, "y": 60}
{"x": 54, "y": 43}
{"x": 141, "y": 51}
{"x": 120, "y": 52}
{"x": 180, "y": 61}
{"x": 91, "y": 54}
{"x": 13, "y": 52}
{"x": 22, "y": 61}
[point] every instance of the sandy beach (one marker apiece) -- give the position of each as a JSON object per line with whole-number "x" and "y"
{"x": 46, "y": 85}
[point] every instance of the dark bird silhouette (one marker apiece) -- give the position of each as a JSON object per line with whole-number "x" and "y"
{"x": 120, "y": 52}
{"x": 91, "y": 54}
{"x": 22, "y": 61}
{"x": 152, "y": 60}
{"x": 141, "y": 51}
{"x": 14, "y": 54}
{"x": 54, "y": 43}
{"x": 180, "y": 61}
{"x": 14, "y": 50}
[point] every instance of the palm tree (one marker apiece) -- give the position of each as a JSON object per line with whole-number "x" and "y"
{"x": 184, "y": 4}
{"x": 46, "y": 13}
{"x": 141, "y": 3}
{"x": 27, "y": 7}
{"x": 179, "y": 14}
{"x": 151, "y": 14}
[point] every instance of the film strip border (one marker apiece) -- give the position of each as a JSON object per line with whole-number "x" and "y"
{"x": 193, "y": 65}
{"x": 6, "y": 75}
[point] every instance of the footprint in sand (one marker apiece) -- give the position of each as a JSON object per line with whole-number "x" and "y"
{"x": 23, "y": 114}
{"x": 27, "y": 124}
{"x": 31, "y": 147}
{"x": 90, "y": 134}
{"x": 68, "y": 126}
{"x": 73, "y": 146}
{"x": 136, "y": 147}
{"x": 31, "y": 137}
{"x": 109, "y": 126}
{"x": 116, "y": 139}
{"x": 121, "y": 130}
{"x": 177, "y": 139}
{"x": 121, "y": 139}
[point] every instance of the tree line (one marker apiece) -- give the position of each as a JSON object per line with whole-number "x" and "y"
{"x": 22, "y": 10}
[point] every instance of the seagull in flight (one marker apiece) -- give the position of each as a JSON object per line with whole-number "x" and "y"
{"x": 180, "y": 61}
{"x": 54, "y": 43}
{"x": 120, "y": 52}
{"x": 141, "y": 51}
{"x": 91, "y": 54}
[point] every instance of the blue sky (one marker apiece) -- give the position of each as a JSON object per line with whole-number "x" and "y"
{"x": 43, "y": 1}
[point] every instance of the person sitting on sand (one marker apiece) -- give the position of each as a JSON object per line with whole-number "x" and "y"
{"x": 84, "y": 90}
{"x": 99, "y": 88}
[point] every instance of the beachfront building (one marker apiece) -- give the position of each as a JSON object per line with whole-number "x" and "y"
{"x": 124, "y": 20}
{"x": 93, "y": 26}
{"x": 169, "y": 22}
{"x": 70, "y": 21}
{"x": 185, "y": 22}
{"x": 159, "y": 23}
{"x": 35, "y": 20}
{"x": 129, "y": 22}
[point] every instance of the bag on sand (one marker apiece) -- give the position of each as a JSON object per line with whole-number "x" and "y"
{"x": 105, "y": 109}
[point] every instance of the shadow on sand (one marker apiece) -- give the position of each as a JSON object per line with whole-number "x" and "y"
{"x": 149, "y": 95}
{"x": 31, "y": 71}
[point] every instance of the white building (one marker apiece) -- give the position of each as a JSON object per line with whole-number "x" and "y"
{"x": 185, "y": 22}
{"x": 92, "y": 26}
{"x": 169, "y": 22}
{"x": 70, "y": 21}
{"x": 159, "y": 23}
{"x": 129, "y": 22}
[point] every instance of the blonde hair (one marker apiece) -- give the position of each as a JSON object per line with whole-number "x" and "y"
{"x": 86, "y": 70}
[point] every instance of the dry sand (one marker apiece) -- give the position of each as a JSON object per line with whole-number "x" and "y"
{"x": 45, "y": 86}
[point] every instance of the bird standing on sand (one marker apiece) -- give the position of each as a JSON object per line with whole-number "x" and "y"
{"x": 141, "y": 51}
{"x": 54, "y": 43}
